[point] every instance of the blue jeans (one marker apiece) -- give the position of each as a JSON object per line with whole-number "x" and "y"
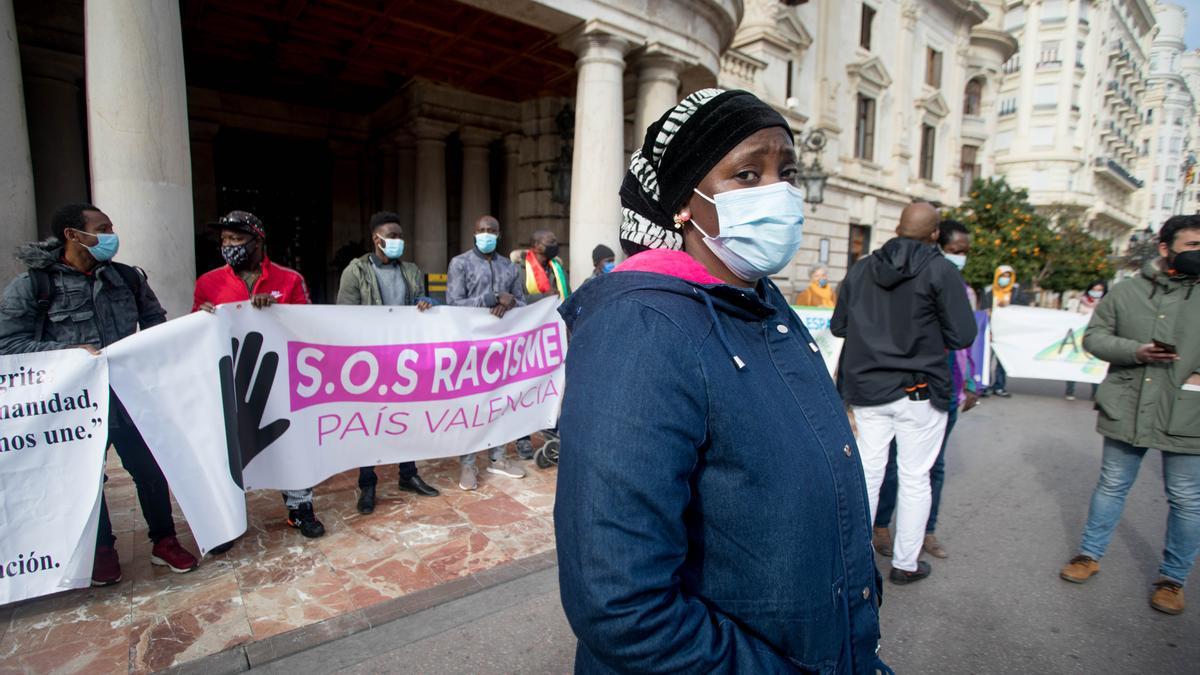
{"x": 1181, "y": 479}
{"x": 1000, "y": 382}
{"x": 937, "y": 476}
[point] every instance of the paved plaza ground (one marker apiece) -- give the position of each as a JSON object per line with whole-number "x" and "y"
{"x": 274, "y": 581}
{"x": 1019, "y": 477}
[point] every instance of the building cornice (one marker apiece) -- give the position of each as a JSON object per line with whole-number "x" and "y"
{"x": 973, "y": 11}
{"x": 992, "y": 38}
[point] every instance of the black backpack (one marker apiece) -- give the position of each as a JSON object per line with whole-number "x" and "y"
{"x": 43, "y": 291}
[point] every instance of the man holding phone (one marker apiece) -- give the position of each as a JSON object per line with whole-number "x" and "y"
{"x": 1146, "y": 329}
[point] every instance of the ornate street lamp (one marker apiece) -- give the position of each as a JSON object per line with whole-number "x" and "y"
{"x": 812, "y": 176}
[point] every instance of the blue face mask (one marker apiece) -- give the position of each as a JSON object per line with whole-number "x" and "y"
{"x": 392, "y": 248}
{"x": 608, "y": 267}
{"x": 486, "y": 242}
{"x": 823, "y": 283}
{"x": 105, "y": 248}
{"x": 1004, "y": 282}
{"x": 760, "y": 228}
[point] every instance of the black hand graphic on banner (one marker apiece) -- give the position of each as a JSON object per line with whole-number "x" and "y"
{"x": 245, "y": 399}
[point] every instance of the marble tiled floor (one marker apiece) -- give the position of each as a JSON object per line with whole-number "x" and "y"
{"x": 274, "y": 580}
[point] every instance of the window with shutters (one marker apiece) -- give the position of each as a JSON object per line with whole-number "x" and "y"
{"x": 928, "y": 148}
{"x": 864, "y": 128}
{"x": 933, "y": 67}
{"x": 970, "y": 168}
{"x": 973, "y": 98}
{"x": 864, "y": 31}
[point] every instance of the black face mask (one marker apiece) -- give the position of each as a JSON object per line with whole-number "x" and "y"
{"x": 238, "y": 257}
{"x": 1186, "y": 263}
{"x": 550, "y": 251}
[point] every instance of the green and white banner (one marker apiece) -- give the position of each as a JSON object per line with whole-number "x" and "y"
{"x": 1044, "y": 344}
{"x": 816, "y": 320}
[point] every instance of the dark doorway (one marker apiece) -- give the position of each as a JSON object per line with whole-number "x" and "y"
{"x": 286, "y": 182}
{"x": 860, "y": 243}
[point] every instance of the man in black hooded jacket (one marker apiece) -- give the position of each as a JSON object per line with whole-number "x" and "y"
{"x": 900, "y": 310}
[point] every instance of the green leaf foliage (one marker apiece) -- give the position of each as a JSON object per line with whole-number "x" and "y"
{"x": 1006, "y": 230}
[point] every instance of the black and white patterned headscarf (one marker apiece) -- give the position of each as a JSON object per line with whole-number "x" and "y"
{"x": 679, "y": 150}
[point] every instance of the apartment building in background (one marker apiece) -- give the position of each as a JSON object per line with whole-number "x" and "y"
{"x": 1071, "y": 110}
{"x": 1168, "y": 142}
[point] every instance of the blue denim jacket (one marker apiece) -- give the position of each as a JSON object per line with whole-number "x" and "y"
{"x": 710, "y": 518}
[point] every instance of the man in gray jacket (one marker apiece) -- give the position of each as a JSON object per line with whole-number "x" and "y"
{"x": 74, "y": 295}
{"x": 480, "y": 278}
{"x": 382, "y": 278}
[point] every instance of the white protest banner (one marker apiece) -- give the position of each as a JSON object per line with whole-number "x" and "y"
{"x": 1044, "y": 344}
{"x": 53, "y": 432}
{"x": 288, "y": 396}
{"x": 816, "y": 320}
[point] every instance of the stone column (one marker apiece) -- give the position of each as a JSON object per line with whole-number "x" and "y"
{"x": 16, "y": 169}
{"x": 141, "y": 164}
{"x": 658, "y": 88}
{"x": 430, "y": 200}
{"x": 57, "y": 137}
{"x": 597, "y": 165}
{"x": 476, "y": 181}
{"x": 510, "y": 223}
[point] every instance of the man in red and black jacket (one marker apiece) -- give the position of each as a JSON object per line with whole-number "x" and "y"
{"x": 249, "y": 275}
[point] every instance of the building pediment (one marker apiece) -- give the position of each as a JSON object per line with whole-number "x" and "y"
{"x": 870, "y": 74}
{"x": 934, "y": 105}
{"x": 787, "y": 33}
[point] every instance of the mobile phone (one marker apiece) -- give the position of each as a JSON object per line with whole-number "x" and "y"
{"x": 1170, "y": 349}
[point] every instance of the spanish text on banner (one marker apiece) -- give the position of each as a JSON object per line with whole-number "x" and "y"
{"x": 53, "y": 431}
{"x": 288, "y": 396}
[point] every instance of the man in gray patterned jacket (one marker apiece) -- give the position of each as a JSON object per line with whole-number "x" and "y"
{"x": 480, "y": 278}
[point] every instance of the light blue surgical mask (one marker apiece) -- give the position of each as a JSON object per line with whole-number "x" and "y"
{"x": 1004, "y": 282}
{"x": 823, "y": 283}
{"x": 959, "y": 259}
{"x": 105, "y": 248}
{"x": 608, "y": 266}
{"x": 392, "y": 248}
{"x": 486, "y": 241}
{"x": 760, "y": 228}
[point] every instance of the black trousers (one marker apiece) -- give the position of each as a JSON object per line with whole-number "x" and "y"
{"x": 367, "y": 477}
{"x": 152, "y": 491}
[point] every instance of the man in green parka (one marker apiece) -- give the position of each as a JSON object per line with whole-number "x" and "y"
{"x": 382, "y": 278}
{"x": 1148, "y": 329}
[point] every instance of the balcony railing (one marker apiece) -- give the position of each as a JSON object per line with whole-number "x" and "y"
{"x": 1117, "y": 169}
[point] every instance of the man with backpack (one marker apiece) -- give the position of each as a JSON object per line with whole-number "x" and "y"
{"x": 75, "y": 296}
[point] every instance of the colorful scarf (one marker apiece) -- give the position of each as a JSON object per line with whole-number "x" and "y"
{"x": 536, "y": 280}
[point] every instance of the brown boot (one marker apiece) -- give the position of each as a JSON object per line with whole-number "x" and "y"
{"x": 882, "y": 541}
{"x": 933, "y": 547}
{"x": 1080, "y": 569}
{"x": 1167, "y": 597}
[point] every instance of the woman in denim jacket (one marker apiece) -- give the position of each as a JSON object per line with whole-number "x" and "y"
{"x": 712, "y": 514}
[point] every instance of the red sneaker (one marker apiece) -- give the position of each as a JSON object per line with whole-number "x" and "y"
{"x": 167, "y": 552}
{"x": 106, "y": 567}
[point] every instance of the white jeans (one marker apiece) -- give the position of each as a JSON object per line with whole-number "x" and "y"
{"x": 918, "y": 428}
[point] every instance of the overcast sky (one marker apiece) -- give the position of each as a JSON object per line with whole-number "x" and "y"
{"x": 1193, "y": 23}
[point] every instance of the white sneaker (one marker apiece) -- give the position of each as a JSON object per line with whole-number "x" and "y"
{"x": 466, "y": 478}
{"x": 1070, "y": 397}
{"x": 506, "y": 468}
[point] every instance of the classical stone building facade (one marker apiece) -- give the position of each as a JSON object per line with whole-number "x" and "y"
{"x": 904, "y": 92}
{"x": 1071, "y": 110}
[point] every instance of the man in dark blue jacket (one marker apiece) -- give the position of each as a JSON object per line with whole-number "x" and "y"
{"x": 900, "y": 310}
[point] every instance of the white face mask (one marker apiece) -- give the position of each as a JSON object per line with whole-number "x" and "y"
{"x": 760, "y": 228}
{"x": 959, "y": 259}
